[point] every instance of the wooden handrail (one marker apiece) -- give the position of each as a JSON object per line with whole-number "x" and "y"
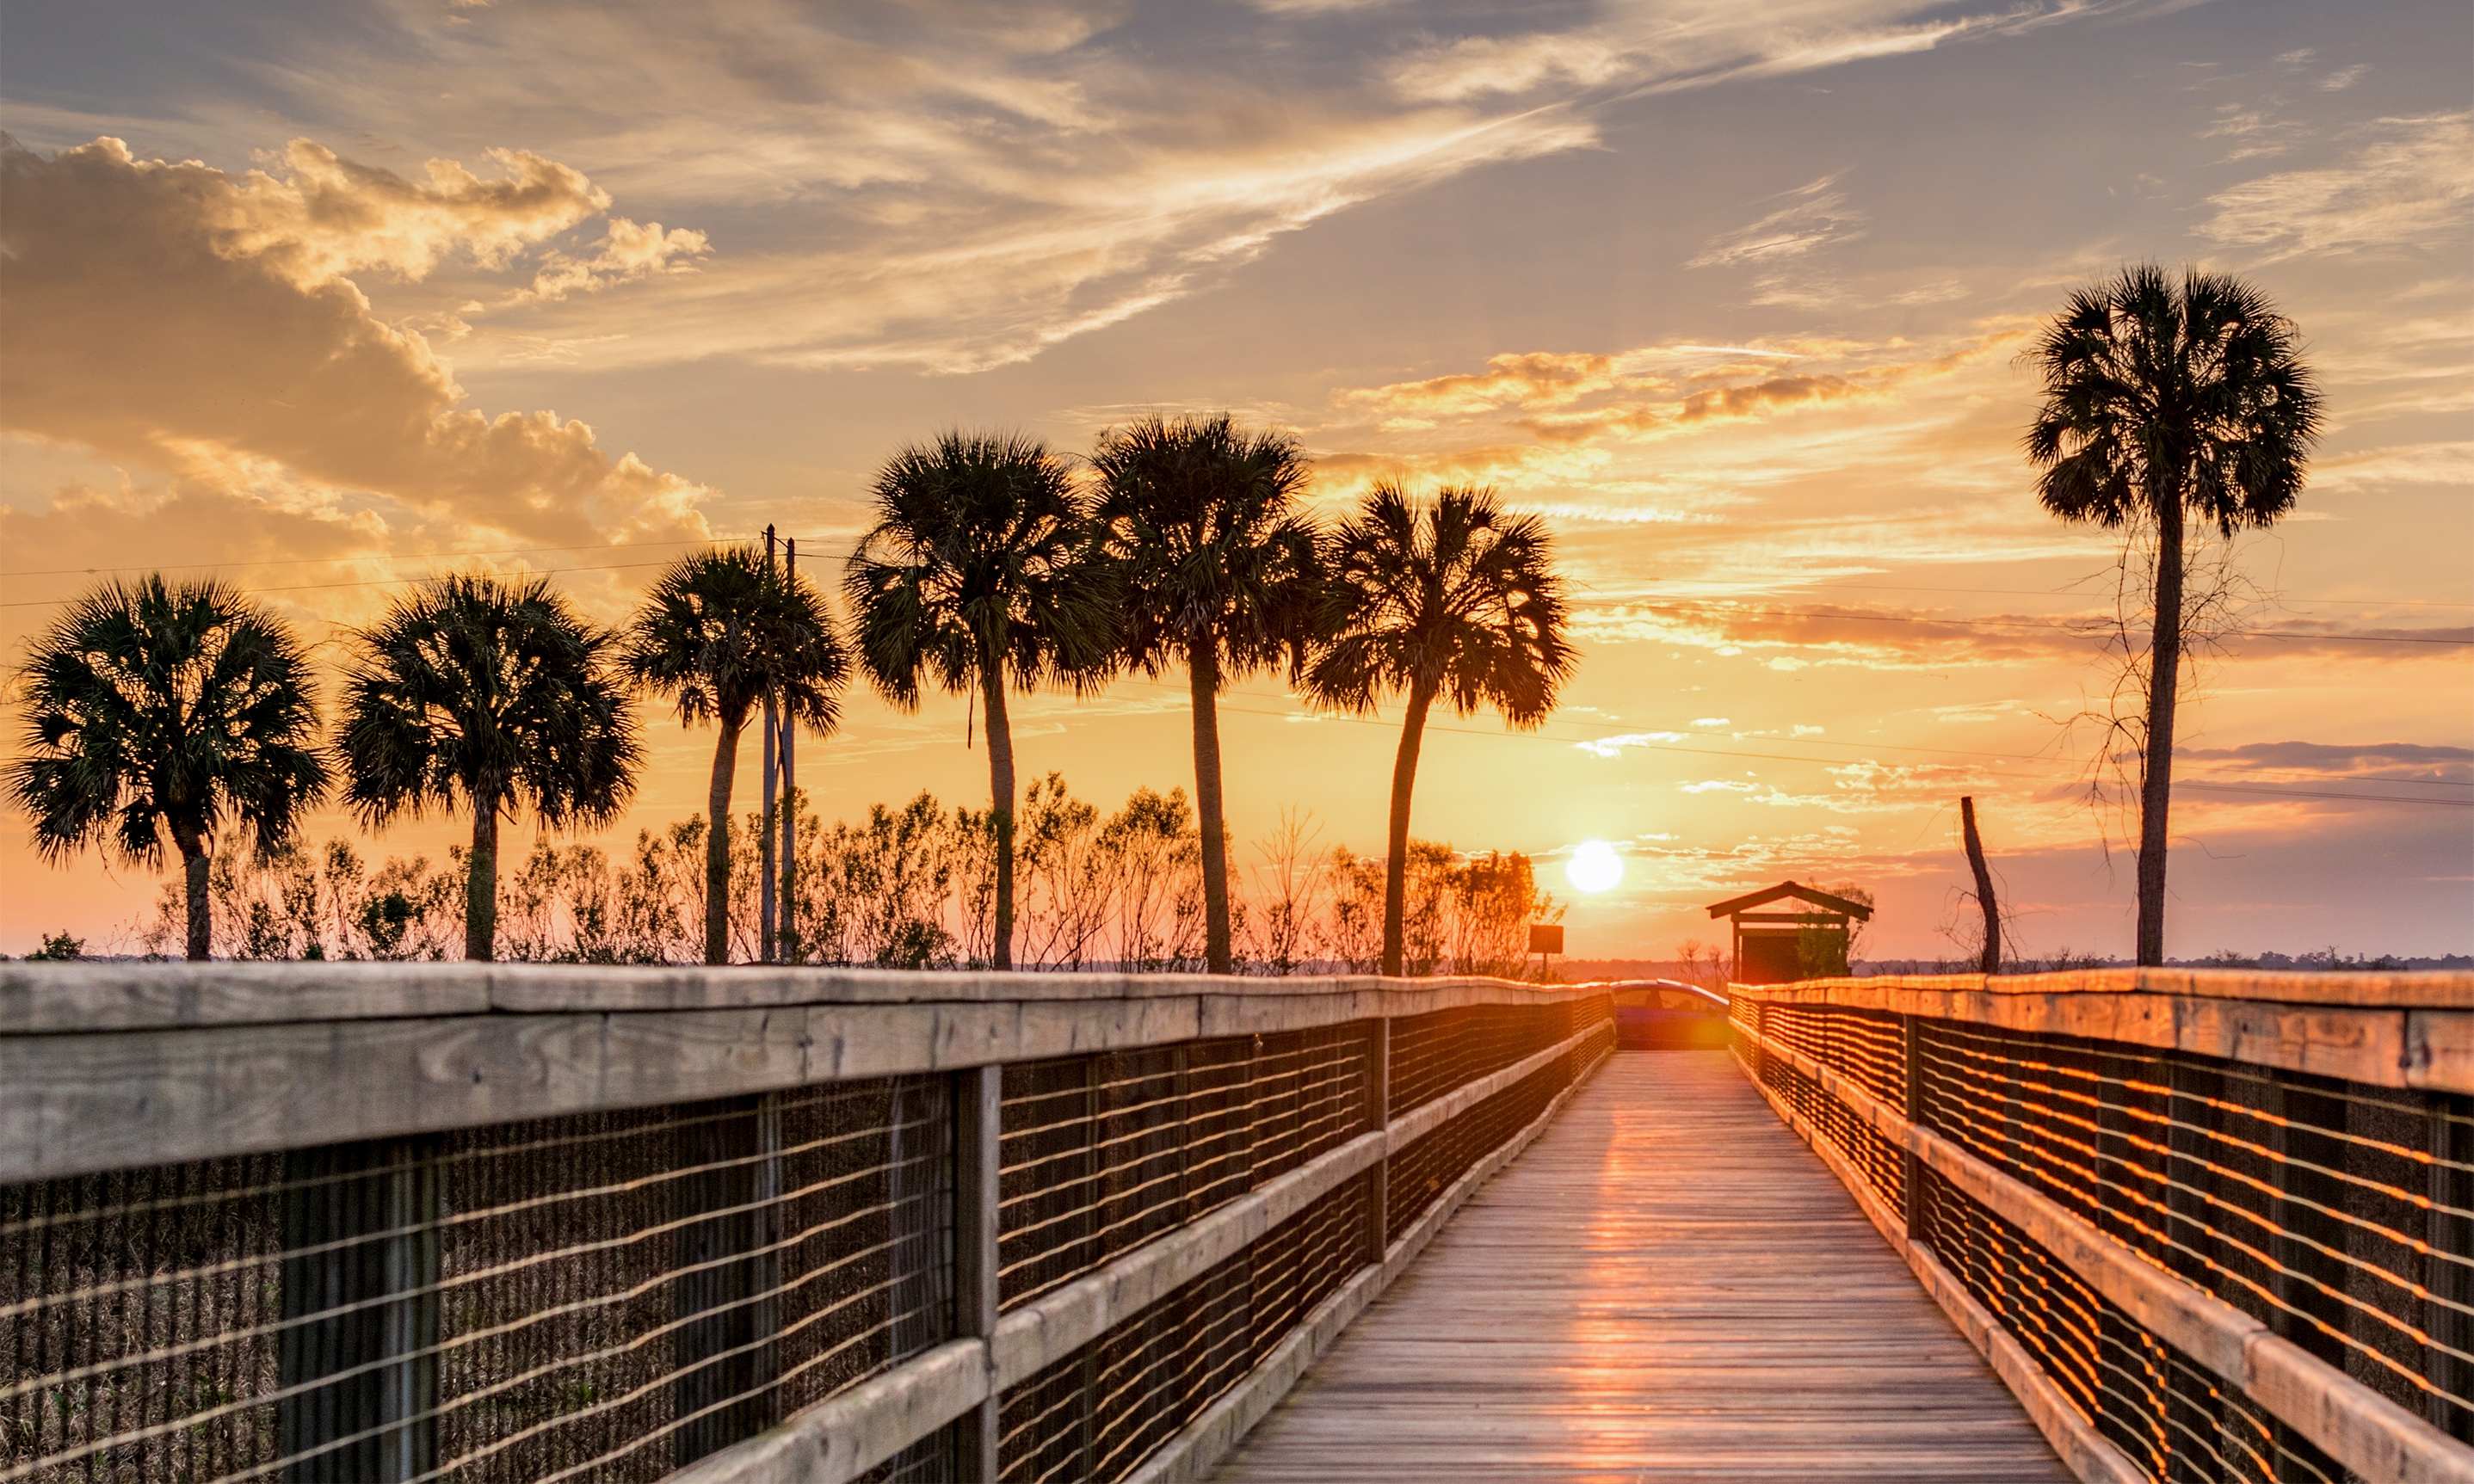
{"x": 2391, "y": 1030}
{"x": 108, "y": 1066}
{"x": 2370, "y": 1435}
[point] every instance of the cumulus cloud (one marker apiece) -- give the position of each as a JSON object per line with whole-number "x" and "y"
{"x": 174, "y": 317}
{"x": 629, "y": 254}
{"x": 2411, "y": 183}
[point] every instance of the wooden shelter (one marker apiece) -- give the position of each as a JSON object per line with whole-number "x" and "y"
{"x": 1779, "y": 947}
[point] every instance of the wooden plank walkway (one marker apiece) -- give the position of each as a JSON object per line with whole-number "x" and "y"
{"x": 1668, "y": 1285}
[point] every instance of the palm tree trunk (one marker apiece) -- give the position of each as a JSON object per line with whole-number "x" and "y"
{"x": 716, "y": 846}
{"x": 2164, "y": 680}
{"x": 1396, "y": 856}
{"x": 1000, "y": 799}
{"x": 1203, "y": 669}
{"x": 481, "y": 884}
{"x": 194, "y": 862}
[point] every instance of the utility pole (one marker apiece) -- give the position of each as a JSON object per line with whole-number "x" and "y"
{"x": 786, "y": 937}
{"x": 764, "y": 833}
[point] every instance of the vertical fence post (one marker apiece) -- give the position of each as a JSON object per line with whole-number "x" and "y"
{"x": 1911, "y": 1170}
{"x": 724, "y": 1351}
{"x": 368, "y": 1214}
{"x": 1378, "y": 1117}
{"x": 2449, "y": 1237}
{"x": 978, "y": 1133}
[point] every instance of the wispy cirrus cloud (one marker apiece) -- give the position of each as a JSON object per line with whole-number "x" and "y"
{"x": 2409, "y": 184}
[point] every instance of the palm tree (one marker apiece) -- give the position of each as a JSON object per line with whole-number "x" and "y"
{"x": 975, "y": 572}
{"x": 720, "y": 631}
{"x": 481, "y": 694}
{"x": 1214, "y": 563}
{"x": 154, "y": 709}
{"x": 2165, "y": 401}
{"x": 1453, "y": 601}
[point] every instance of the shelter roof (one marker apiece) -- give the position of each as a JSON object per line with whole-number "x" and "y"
{"x": 1784, "y": 889}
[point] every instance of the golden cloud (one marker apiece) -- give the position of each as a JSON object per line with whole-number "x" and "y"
{"x": 174, "y": 317}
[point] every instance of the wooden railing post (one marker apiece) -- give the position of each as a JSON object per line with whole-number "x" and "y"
{"x": 979, "y": 1132}
{"x": 1378, "y": 1117}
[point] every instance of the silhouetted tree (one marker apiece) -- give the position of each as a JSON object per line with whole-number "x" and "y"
{"x": 156, "y": 709}
{"x": 1452, "y": 600}
{"x": 2165, "y": 401}
{"x": 484, "y": 694}
{"x": 1214, "y": 563}
{"x": 719, "y": 631}
{"x": 976, "y": 575}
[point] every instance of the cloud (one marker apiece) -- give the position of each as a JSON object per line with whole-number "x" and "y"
{"x": 2411, "y": 184}
{"x": 629, "y": 255}
{"x": 1525, "y": 379}
{"x": 2320, "y": 762}
{"x": 1813, "y": 216}
{"x": 175, "y": 317}
{"x": 956, "y": 189}
{"x": 1473, "y": 67}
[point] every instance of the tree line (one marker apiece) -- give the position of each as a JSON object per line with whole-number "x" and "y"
{"x": 902, "y": 887}
{"x": 182, "y": 713}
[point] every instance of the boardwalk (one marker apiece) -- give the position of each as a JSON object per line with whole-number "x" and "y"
{"x": 1668, "y": 1285}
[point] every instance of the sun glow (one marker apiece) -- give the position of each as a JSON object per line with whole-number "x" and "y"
{"x": 1595, "y": 867}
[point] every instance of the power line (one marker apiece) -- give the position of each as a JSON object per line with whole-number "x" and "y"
{"x": 397, "y": 556}
{"x": 1737, "y": 610}
{"x": 2064, "y": 592}
{"x": 376, "y": 582}
{"x": 2030, "y": 778}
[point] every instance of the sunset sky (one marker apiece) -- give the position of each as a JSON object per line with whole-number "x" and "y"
{"x": 328, "y": 298}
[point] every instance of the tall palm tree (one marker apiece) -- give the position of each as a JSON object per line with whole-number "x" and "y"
{"x": 482, "y": 694}
{"x": 976, "y": 573}
{"x": 1452, "y": 600}
{"x": 1214, "y": 563}
{"x": 156, "y": 708}
{"x": 2163, "y": 401}
{"x": 719, "y": 631}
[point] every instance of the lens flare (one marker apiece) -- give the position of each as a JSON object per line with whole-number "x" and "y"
{"x": 1595, "y": 867}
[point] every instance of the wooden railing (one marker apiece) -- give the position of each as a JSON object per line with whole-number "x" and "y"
{"x": 2207, "y": 1225}
{"x": 441, "y": 1221}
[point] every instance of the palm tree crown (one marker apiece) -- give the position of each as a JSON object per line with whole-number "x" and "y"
{"x": 156, "y": 708}
{"x": 976, "y": 573}
{"x": 1454, "y": 601}
{"x": 2161, "y": 396}
{"x": 720, "y": 630}
{"x": 1215, "y": 567}
{"x": 2163, "y": 401}
{"x": 482, "y": 694}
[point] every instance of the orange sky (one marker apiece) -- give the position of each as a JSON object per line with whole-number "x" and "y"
{"x": 1735, "y": 294}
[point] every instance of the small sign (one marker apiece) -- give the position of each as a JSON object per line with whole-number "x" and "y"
{"x": 1545, "y": 936}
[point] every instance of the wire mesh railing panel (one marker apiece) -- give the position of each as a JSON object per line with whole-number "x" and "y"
{"x": 1420, "y": 1174}
{"x": 1097, "y": 1413}
{"x": 1882, "y": 1163}
{"x": 1868, "y": 1047}
{"x": 600, "y": 1297}
{"x": 2340, "y": 1214}
{"x": 1104, "y": 1153}
{"x": 2171, "y": 1418}
{"x": 1440, "y": 1050}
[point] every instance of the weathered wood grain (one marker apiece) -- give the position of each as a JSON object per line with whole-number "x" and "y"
{"x": 1667, "y": 1285}
{"x": 2394, "y": 1046}
{"x": 64, "y": 999}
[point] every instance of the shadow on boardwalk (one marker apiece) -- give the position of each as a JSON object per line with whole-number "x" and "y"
{"x": 1668, "y": 1286}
